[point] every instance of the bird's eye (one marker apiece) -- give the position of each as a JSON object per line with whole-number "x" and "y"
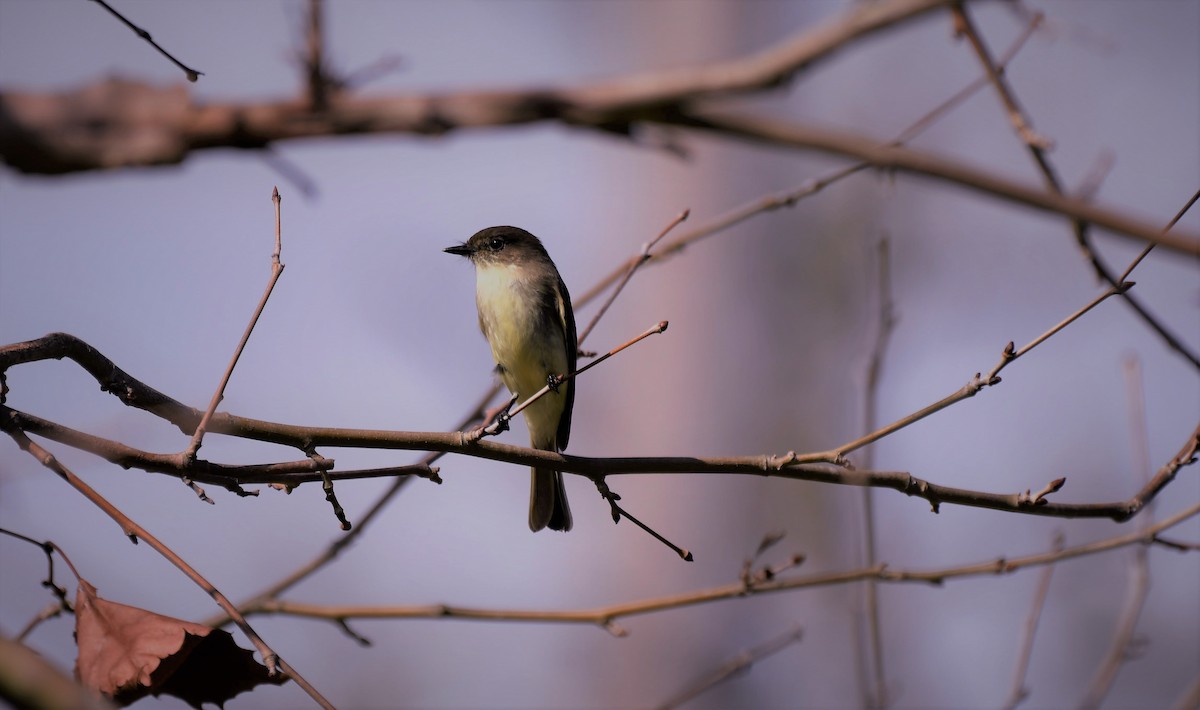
{"x": 496, "y": 244}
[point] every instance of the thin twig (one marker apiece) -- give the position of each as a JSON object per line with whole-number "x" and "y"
{"x": 808, "y": 188}
{"x": 1008, "y": 355}
{"x": 192, "y": 74}
{"x": 1121, "y": 648}
{"x": 276, "y": 271}
{"x": 1035, "y": 21}
{"x": 751, "y": 577}
{"x": 892, "y": 158}
{"x": 634, "y": 265}
{"x": 606, "y": 616}
{"x": 324, "y": 465}
{"x": 876, "y": 689}
{"x": 1174, "y": 220}
{"x": 738, "y": 665}
{"x": 618, "y": 512}
{"x": 1019, "y": 692}
{"x": 1176, "y": 544}
{"x": 497, "y": 427}
{"x": 977, "y": 383}
{"x": 136, "y": 532}
{"x": 1037, "y": 148}
{"x": 60, "y": 593}
{"x": 331, "y": 551}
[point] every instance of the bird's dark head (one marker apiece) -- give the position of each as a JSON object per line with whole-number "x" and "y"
{"x": 501, "y": 245}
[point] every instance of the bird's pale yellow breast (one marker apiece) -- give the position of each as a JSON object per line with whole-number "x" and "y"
{"x": 508, "y": 317}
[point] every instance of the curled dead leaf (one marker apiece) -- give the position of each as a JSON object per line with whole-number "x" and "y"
{"x": 126, "y": 653}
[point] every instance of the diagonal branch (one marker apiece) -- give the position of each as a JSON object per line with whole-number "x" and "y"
{"x": 192, "y": 74}
{"x": 136, "y": 532}
{"x": 735, "y": 666}
{"x": 1037, "y": 148}
{"x": 1018, "y": 693}
{"x": 890, "y": 157}
{"x": 276, "y": 271}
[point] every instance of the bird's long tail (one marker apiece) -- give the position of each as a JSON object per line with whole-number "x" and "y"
{"x": 548, "y": 506}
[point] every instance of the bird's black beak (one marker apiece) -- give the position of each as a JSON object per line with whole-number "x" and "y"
{"x": 460, "y": 249}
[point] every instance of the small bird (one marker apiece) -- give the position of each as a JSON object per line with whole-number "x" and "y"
{"x": 525, "y": 315}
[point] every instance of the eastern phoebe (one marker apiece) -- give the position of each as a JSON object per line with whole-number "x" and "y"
{"x": 525, "y": 314}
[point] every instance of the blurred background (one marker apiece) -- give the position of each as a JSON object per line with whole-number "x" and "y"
{"x": 772, "y": 322}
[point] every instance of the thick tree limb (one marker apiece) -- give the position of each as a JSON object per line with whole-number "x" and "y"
{"x": 120, "y": 123}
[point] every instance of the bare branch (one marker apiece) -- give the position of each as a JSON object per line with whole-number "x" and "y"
{"x": 136, "y": 532}
{"x": 1008, "y": 355}
{"x": 618, "y": 512}
{"x": 793, "y": 466}
{"x": 335, "y": 547}
{"x": 634, "y": 265}
{"x": 174, "y": 126}
{"x": 606, "y": 616}
{"x": 276, "y": 272}
{"x": 1019, "y": 693}
{"x": 1176, "y": 544}
{"x": 231, "y": 477}
{"x": 497, "y": 427}
{"x": 60, "y": 593}
{"x": 975, "y": 385}
{"x": 1038, "y": 147}
{"x": 327, "y": 486}
{"x": 1122, "y": 645}
{"x": 813, "y": 186}
{"x": 736, "y": 666}
{"x": 876, "y": 690}
{"x": 895, "y": 158}
{"x": 192, "y": 74}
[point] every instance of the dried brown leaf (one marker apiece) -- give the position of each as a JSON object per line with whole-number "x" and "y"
{"x": 126, "y": 653}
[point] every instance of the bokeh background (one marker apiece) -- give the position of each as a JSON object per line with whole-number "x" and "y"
{"x": 771, "y": 326}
